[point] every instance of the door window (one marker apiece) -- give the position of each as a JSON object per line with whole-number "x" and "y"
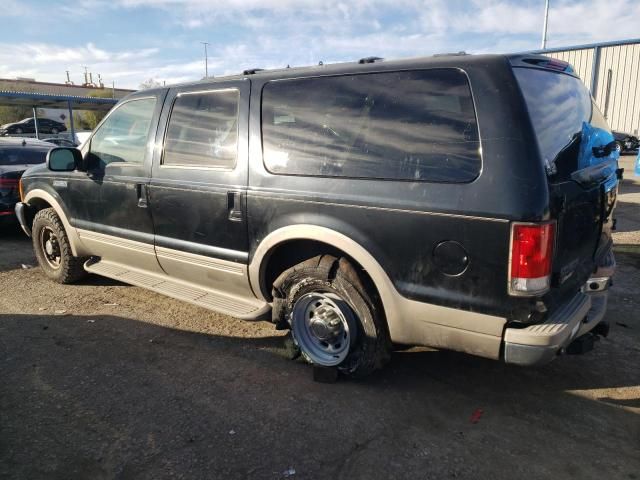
{"x": 123, "y": 135}
{"x": 203, "y": 130}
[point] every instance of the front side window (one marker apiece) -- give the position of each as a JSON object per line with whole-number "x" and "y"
{"x": 413, "y": 125}
{"x": 203, "y": 130}
{"x": 123, "y": 136}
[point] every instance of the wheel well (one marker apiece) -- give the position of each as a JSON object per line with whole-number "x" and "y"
{"x": 36, "y": 205}
{"x": 287, "y": 254}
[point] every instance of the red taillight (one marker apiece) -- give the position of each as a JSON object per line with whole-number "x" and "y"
{"x": 8, "y": 182}
{"x": 531, "y": 255}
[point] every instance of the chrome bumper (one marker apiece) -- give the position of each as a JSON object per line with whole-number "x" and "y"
{"x": 541, "y": 343}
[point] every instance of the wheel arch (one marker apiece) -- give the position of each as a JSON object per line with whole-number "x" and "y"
{"x": 316, "y": 237}
{"x": 39, "y": 199}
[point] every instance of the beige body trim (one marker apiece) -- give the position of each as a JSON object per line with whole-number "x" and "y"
{"x": 410, "y": 322}
{"x": 77, "y": 248}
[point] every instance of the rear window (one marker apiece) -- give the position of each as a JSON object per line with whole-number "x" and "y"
{"x": 411, "y": 125}
{"x": 558, "y": 104}
{"x": 23, "y": 156}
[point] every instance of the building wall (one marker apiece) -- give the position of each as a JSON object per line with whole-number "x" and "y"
{"x": 618, "y": 74}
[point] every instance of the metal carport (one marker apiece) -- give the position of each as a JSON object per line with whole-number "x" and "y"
{"x": 45, "y": 100}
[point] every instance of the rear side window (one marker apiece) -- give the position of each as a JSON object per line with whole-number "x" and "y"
{"x": 203, "y": 130}
{"x": 411, "y": 125}
{"x": 558, "y": 104}
{"x": 23, "y": 156}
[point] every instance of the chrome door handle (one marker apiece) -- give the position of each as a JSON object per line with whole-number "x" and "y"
{"x": 142, "y": 195}
{"x": 234, "y": 205}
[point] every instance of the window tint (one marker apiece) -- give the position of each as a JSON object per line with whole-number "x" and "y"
{"x": 23, "y": 155}
{"x": 203, "y": 130}
{"x": 417, "y": 125}
{"x": 558, "y": 104}
{"x": 124, "y": 134}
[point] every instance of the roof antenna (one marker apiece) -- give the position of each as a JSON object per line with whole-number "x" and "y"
{"x": 320, "y": 63}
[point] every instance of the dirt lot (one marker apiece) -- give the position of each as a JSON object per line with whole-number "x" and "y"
{"x": 103, "y": 380}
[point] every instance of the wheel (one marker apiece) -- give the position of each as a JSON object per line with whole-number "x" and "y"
{"x": 54, "y": 131}
{"x": 334, "y": 319}
{"x": 53, "y": 249}
{"x": 18, "y": 131}
{"x": 619, "y": 146}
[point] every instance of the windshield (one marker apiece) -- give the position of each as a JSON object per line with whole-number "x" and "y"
{"x": 558, "y": 105}
{"x": 22, "y": 156}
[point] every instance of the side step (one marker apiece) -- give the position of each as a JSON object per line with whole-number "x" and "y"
{"x": 245, "y": 308}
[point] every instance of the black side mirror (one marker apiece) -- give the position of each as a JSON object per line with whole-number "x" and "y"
{"x": 64, "y": 159}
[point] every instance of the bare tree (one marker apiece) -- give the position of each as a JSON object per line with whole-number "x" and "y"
{"x": 149, "y": 83}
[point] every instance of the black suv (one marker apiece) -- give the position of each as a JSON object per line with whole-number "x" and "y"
{"x": 457, "y": 202}
{"x": 28, "y": 125}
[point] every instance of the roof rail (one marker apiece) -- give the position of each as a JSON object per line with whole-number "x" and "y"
{"x": 370, "y": 60}
{"x": 452, "y": 54}
{"x": 252, "y": 71}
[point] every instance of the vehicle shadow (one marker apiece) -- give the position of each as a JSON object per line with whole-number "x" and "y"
{"x": 95, "y": 394}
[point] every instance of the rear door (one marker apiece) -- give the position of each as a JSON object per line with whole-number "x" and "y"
{"x": 582, "y": 188}
{"x": 199, "y": 184}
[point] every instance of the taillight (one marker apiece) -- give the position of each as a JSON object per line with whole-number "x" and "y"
{"x": 8, "y": 182}
{"x": 20, "y": 190}
{"x": 531, "y": 255}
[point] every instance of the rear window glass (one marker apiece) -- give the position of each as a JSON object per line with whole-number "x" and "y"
{"x": 412, "y": 125}
{"x": 558, "y": 104}
{"x": 23, "y": 155}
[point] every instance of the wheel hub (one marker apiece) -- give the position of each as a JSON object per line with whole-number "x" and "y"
{"x": 324, "y": 327}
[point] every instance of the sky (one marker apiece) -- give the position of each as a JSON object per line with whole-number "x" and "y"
{"x": 130, "y": 41}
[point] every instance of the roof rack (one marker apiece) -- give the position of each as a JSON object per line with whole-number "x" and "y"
{"x": 370, "y": 60}
{"x": 252, "y": 71}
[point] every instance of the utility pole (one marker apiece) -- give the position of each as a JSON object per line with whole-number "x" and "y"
{"x": 206, "y": 61}
{"x": 546, "y": 21}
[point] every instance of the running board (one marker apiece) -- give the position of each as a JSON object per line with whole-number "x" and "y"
{"x": 245, "y": 308}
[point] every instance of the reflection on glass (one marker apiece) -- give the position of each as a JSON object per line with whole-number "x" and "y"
{"x": 123, "y": 135}
{"x": 203, "y": 130}
{"x": 417, "y": 125}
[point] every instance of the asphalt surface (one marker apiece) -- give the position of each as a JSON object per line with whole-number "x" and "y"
{"x": 101, "y": 380}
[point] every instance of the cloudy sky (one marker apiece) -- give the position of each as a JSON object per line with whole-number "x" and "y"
{"x": 129, "y": 41}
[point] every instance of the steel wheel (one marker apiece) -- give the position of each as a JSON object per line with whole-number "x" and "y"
{"x": 50, "y": 247}
{"x": 324, "y": 328}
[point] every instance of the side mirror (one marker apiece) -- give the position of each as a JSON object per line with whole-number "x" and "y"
{"x": 64, "y": 159}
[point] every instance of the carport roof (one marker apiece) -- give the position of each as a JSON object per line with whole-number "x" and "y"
{"x": 45, "y": 100}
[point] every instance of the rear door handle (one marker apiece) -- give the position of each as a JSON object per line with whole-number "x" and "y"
{"x": 142, "y": 195}
{"x": 234, "y": 204}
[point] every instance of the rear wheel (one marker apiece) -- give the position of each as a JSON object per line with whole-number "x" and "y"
{"x": 54, "y": 130}
{"x": 53, "y": 250}
{"x": 18, "y": 131}
{"x": 619, "y": 147}
{"x": 334, "y": 319}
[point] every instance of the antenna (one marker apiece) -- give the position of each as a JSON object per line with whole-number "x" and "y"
{"x": 206, "y": 61}
{"x": 68, "y": 82}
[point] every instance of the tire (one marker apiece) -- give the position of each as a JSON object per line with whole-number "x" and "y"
{"x": 18, "y": 131}
{"x": 54, "y": 131}
{"x": 57, "y": 262}
{"x": 620, "y": 146}
{"x": 360, "y": 343}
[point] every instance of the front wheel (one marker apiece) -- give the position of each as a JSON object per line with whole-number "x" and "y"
{"x": 54, "y": 131}
{"x": 335, "y": 320}
{"x": 619, "y": 147}
{"x": 53, "y": 250}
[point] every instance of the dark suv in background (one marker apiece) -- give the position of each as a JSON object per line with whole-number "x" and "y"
{"x": 459, "y": 202}
{"x": 16, "y": 155}
{"x": 28, "y": 125}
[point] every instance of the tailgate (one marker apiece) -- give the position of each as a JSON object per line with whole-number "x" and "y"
{"x": 578, "y": 154}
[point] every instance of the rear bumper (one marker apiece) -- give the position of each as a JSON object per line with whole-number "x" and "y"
{"x": 22, "y": 210}
{"x": 539, "y": 344}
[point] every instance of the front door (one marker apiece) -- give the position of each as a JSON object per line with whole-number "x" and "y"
{"x": 109, "y": 204}
{"x": 198, "y": 186}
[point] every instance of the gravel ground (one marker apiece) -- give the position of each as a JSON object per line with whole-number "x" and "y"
{"x": 103, "y": 380}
